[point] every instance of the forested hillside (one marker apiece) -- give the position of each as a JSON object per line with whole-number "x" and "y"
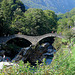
{"x": 9, "y": 10}
{"x": 14, "y": 19}
{"x": 55, "y": 5}
{"x": 66, "y": 20}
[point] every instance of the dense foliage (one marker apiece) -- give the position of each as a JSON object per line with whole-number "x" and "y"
{"x": 39, "y": 22}
{"x": 66, "y": 21}
{"x": 14, "y": 19}
{"x": 7, "y": 14}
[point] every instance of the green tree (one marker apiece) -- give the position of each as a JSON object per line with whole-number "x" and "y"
{"x": 5, "y": 7}
{"x": 51, "y": 20}
{"x": 69, "y": 34}
{"x": 1, "y": 23}
{"x": 40, "y": 22}
{"x": 11, "y": 11}
{"x": 70, "y": 23}
{"x": 35, "y": 21}
{"x": 17, "y": 23}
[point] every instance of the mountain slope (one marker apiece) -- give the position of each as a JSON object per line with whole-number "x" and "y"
{"x": 55, "y": 5}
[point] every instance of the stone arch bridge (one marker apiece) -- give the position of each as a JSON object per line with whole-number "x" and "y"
{"x": 33, "y": 39}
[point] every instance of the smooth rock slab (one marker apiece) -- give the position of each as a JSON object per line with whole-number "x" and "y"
{"x": 6, "y": 64}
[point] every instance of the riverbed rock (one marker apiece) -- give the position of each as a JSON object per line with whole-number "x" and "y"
{"x": 1, "y": 58}
{"x": 23, "y": 54}
{"x": 7, "y": 64}
{"x": 2, "y": 52}
{"x": 0, "y": 46}
{"x": 45, "y": 44}
{"x": 17, "y": 58}
{"x": 32, "y": 53}
{"x": 50, "y": 50}
{"x": 38, "y": 53}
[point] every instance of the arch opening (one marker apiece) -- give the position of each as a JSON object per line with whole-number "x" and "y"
{"x": 47, "y": 40}
{"x": 13, "y": 46}
{"x": 50, "y": 49}
{"x": 21, "y": 42}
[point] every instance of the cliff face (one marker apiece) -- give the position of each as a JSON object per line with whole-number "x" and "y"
{"x": 55, "y": 5}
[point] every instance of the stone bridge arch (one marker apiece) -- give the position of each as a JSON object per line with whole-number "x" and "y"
{"x": 8, "y": 38}
{"x": 17, "y": 36}
{"x": 48, "y": 35}
{"x": 33, "y": 39}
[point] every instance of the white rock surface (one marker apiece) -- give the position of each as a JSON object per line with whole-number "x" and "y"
{"x": 5, "y": 63}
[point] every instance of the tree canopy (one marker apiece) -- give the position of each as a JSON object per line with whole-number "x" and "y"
{"x": 15, "y": 19}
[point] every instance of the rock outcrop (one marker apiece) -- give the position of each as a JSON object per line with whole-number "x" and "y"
{"x": 2, "y": 52}
{"x": 32, "y": 53}
{"x": 1, "y": 58}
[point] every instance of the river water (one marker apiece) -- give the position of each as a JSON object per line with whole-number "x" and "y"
{"x": 48, "y": 60}
{"x": 50, "y": 55}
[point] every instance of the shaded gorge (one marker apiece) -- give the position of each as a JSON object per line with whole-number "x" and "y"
{"x": 21, "y": 49}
